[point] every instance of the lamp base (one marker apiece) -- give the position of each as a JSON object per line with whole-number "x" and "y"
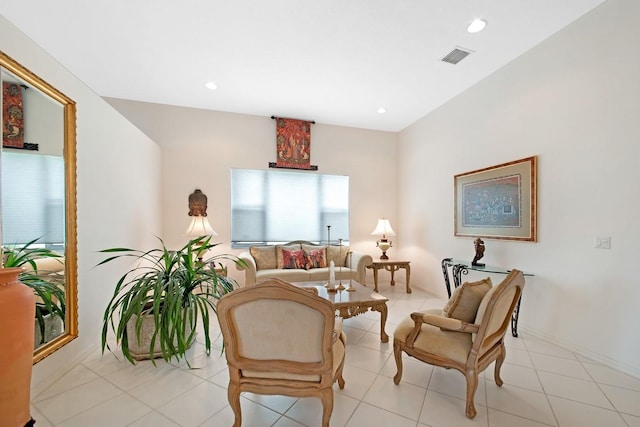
{"x": 384, "y": 246}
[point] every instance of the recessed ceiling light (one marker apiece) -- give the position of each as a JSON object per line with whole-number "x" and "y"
{"x": 382, "y": 110}
{"x": 477, "y": 25}
{"x": 211, "y": 85}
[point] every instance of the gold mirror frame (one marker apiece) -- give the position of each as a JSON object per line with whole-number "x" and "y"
{"x": 71, "y": 248}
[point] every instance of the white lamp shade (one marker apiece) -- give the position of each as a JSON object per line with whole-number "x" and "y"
{"x": 200, "y": 227}
{"x": 383, "y": 228}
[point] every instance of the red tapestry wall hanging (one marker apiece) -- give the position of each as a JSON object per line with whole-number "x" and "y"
{"x": 12, "y": 116}
{"x": 293, "y": 144}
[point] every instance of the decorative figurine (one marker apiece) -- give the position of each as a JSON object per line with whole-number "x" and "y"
{"x": 479, "y": 245}
{"x": 197, "y": 203}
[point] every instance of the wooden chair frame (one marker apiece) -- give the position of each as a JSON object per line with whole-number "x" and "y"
{"x": 487, "y": 346}
{"x": 276, "y": 289}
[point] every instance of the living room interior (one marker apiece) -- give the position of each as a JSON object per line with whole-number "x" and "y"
{"x": 572, "y": 101}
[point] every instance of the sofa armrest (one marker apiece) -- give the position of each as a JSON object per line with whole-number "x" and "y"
{"x": 358, "y": 261}
{"x": 249, "y": 268}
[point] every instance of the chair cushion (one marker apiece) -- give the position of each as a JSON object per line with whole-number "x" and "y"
{"x": 265, "y": 256}
{"x": 338, "y": 357}
{"x": 501, "y": 306}
{"x": 433, "y": 340}
{"x": 463, "y": 304}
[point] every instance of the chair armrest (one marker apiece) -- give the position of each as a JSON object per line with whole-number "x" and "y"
{"x": 359, "y": 261}
{"x": 444, "y": 323}
{"x": 450, "y": 324}
{"x": 249, "y": 266}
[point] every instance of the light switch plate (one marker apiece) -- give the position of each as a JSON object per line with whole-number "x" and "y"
{"x": 602, "y": 242}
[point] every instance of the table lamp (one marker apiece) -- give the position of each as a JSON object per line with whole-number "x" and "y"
{"x": 383, "y": 229}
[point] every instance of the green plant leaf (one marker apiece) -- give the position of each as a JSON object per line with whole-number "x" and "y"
{"x": 49, "y": 290}
{"x": 173, "y": 287}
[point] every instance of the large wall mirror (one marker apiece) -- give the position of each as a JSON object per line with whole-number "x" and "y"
{"x": 38, "y": 200}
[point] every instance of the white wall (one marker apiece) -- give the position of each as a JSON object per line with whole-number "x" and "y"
{"x": 118, "y": 174}
{"x": 573, "y": 101}
{"x": 199, "y": 147}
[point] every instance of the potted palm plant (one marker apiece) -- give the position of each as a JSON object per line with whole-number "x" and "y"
{"x": 47, "y": 285}
{"x": 158, "y": 303}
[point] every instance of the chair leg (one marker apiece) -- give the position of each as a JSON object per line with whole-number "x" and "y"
{"x": 327, "y": 406}
{"x": 233, "y": 394}
{"x": 499, "y": 361}
{"x": 472, "y": 385}
{"x": 397, "y": 353}
{"x": 341, "y": 367}
{"x": 339, "y": 375}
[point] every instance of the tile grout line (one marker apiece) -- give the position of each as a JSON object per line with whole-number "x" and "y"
{"x": 546, "y": 396}
{"x": 598, "y": 385}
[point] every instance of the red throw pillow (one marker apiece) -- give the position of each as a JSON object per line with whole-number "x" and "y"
{"x": 293, "y": 259}
{"x": 315, "y": 258}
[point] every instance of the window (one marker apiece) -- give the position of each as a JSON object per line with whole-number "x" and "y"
{"x": 32, "y": 198}
{"x": 275, "y": 207}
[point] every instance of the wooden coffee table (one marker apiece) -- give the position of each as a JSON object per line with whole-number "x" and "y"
{"x": 350, "y": 304}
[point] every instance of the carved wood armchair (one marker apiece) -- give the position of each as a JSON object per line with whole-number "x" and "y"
{"x": 469, "y": 346}
{"x": 281, "y": 339}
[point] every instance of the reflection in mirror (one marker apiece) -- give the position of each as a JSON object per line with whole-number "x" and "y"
{"x": 38, "y": 200}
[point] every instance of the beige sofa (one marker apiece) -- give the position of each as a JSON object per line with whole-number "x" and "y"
{"x": 302, "y": 261}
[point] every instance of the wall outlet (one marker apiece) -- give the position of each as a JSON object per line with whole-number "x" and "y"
{"x": 602, "y": 242}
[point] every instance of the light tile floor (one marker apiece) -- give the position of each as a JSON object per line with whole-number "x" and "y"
{"x": 545, "y": 385}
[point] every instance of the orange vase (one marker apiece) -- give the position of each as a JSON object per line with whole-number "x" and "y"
{"x": 17, "y": 314}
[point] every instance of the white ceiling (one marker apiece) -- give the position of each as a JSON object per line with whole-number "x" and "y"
{"x": 332, "y": 61}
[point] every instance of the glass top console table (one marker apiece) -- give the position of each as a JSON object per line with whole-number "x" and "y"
{"x": 460, "y": 267}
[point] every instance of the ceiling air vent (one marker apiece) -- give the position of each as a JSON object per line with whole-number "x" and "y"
{"x": 456, "y": 55}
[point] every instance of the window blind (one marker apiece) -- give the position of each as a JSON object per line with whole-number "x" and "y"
{"x": 32, "y": 198}
{"x": 275, "y": 206}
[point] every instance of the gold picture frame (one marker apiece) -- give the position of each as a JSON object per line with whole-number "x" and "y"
{"x": 497, "y": 202}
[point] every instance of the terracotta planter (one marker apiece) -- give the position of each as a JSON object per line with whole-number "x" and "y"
{"x": 17, "y": 311}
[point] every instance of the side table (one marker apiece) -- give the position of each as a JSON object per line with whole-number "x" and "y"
{"x": 459, "y": 267}
{"x": 391, "y": 266}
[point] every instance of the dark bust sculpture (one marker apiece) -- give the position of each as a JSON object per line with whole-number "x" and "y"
{"x": 197, "y": 203}
{"x": 479, "y": 245}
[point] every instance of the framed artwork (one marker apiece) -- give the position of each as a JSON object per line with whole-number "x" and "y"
{"x": 497, "y": 202}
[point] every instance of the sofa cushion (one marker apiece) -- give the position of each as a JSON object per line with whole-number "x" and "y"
{"x": 316, "y": 257}
{"x": 463, "y": 304}
{"x": 288, "y": 275}
{"x": 265, "y": 256}
{"x": 342, "y": 273}
{"x": 293, "y": 258}
{"x": 337, "y": 254}
{"x": 279, "y": 260}
{"x": 46, "y": 265}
